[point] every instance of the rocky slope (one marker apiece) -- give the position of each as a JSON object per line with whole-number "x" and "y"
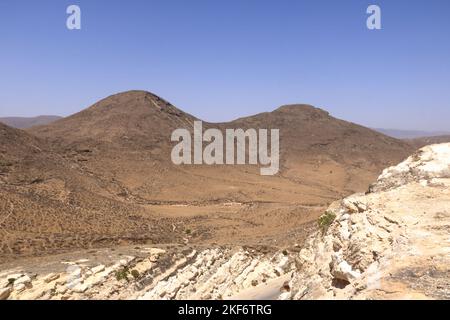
{"x": 48, "y": 204}
{"x": 152, "y": 273}
{"x": 391, "y": 243}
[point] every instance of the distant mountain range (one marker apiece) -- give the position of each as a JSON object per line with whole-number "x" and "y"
{"x": 411, "y": 134}
{"x": 28, "y": 122}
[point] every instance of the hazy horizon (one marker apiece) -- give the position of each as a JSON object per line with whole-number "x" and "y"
{"x": 222, "y": 61}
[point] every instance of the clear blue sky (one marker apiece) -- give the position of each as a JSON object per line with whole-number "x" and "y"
{"x": 222, "y": 59}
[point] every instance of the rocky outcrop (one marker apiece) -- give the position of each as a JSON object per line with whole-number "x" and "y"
{"x": 393, "y": 242}
{"x": 429, "y": 163}
{"x": 216, "y": 273}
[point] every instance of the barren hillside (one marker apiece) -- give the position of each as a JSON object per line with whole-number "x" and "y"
{"x": 128, "y": 139}
{"x": 104, "y": 177}
{"x": 49, "y": 205}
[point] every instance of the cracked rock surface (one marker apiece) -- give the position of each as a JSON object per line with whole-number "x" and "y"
{"x": 391, "y": 243}
{"x": 216, "y": 273}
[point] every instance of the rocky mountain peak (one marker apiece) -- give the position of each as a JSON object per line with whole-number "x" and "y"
{"x": 302, "y": 109}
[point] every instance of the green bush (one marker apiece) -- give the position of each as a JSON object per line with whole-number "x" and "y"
{"x": 122, "y": 274}
{"x": 326, "y": 220}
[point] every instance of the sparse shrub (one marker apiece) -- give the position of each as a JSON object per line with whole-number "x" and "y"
{"x": 122, "y": 274}
{"x": 326, "y": 220}
{"x": 5, "y": 163}
{"x": 135, "y": 274}
{"x": 188, "y": 231}
{"x": 285, "y": 252}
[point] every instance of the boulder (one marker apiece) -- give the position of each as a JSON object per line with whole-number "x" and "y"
{"x": 14, "y": 276}
{"x": 80, "y": 288}
{"x": 4, "y": 293}
{"x": 349, "y": 206}
{"x": 4, "y": 283}
{"x": 18, "y": 288}
{"x": 98, "y": 269}
{"x": 51, "y": 277}
{"x": 22, "y": 280}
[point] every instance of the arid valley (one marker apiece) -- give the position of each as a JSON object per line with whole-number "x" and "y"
{"x": 92, "y": 207}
